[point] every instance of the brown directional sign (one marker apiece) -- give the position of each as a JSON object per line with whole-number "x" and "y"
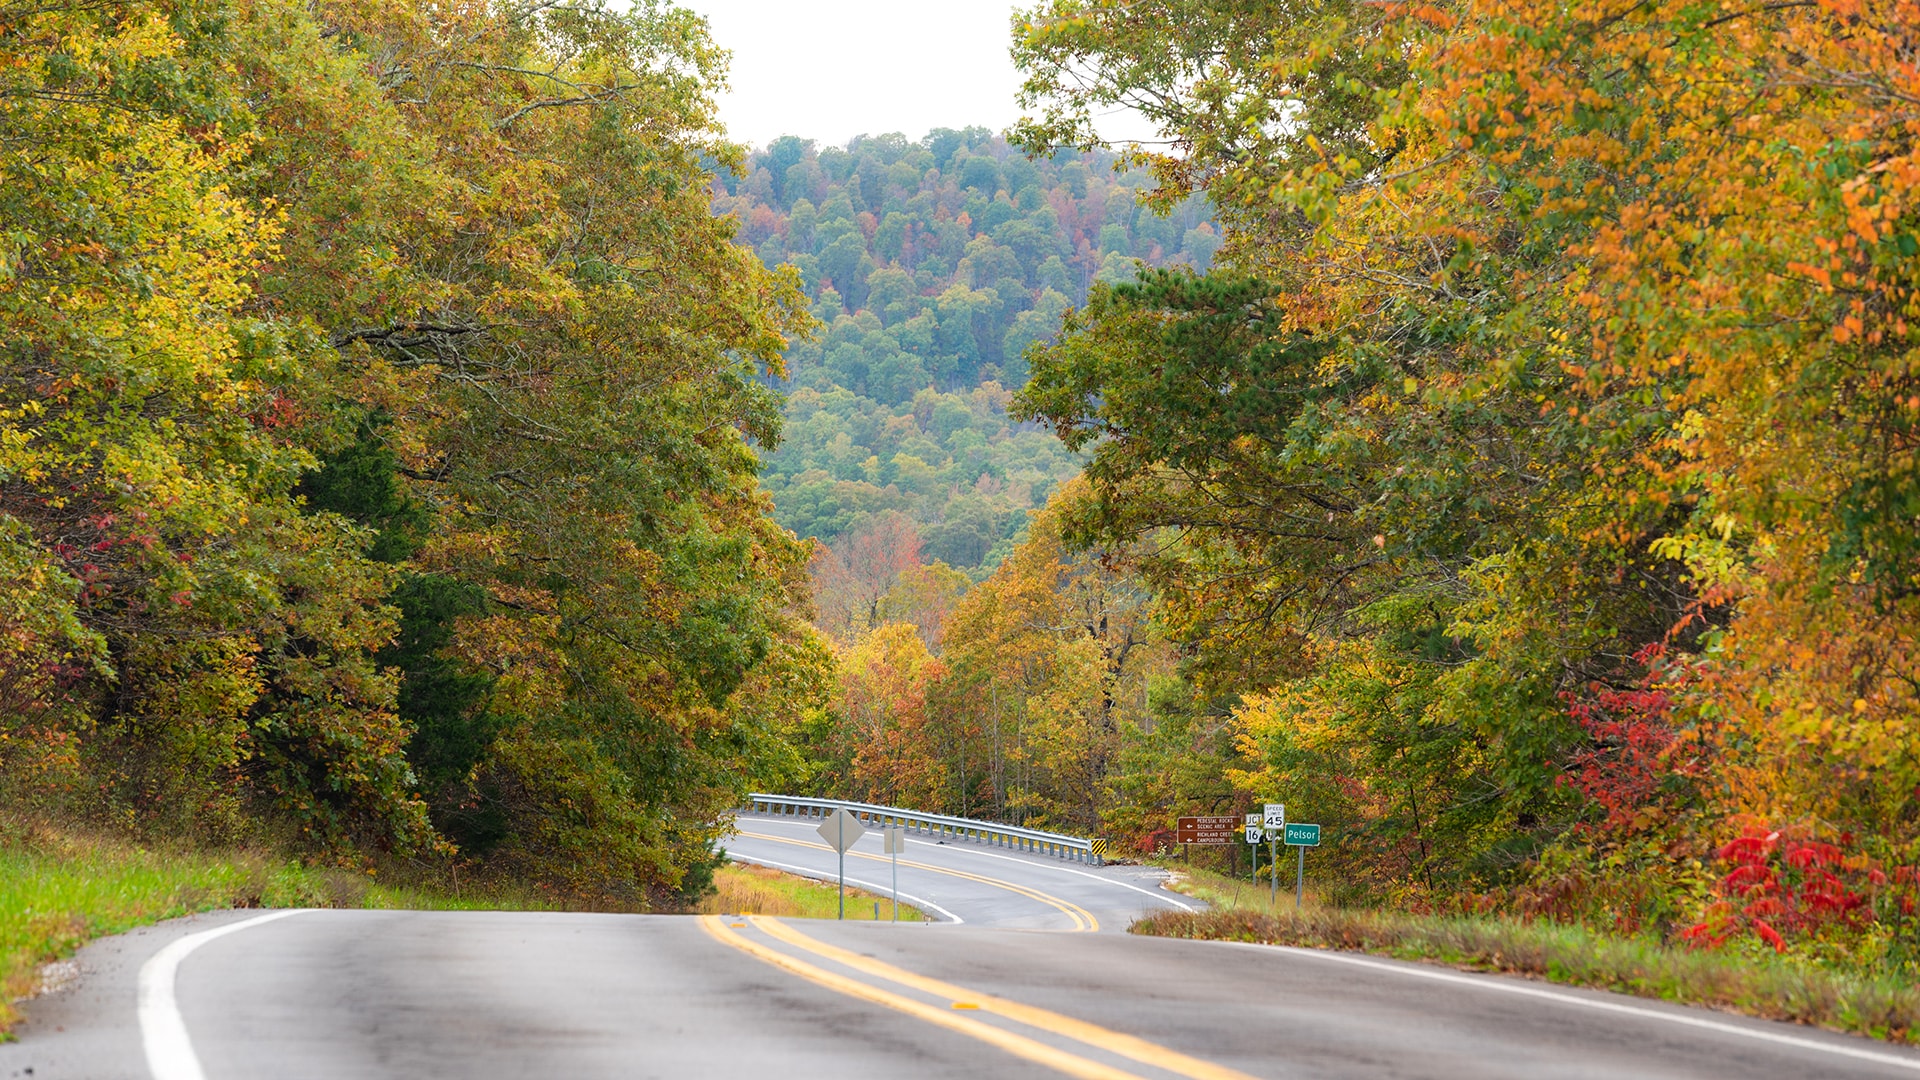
{"x": 1218, "y": 829}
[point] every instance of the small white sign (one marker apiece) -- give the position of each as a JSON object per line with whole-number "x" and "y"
{"x": 896, "y": 840}
{"x": 841, "y": 829}
{"x": 1253, "y": 831}
{"x": 1253, "y": 819}
{"x": 1275, "y": 818}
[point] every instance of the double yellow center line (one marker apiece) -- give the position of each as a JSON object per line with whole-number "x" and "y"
{"x": 1112, "y": 1042}
{"x": 1081, "y": 918}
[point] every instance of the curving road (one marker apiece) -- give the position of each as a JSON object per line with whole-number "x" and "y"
{"x": 483, "y": 995}
{"x": 961, "y": 881}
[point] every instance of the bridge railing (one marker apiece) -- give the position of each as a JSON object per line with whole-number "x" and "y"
{"x": 992, "y": 833}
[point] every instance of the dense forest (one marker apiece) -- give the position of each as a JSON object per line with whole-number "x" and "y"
{"x": 931, "y": 267}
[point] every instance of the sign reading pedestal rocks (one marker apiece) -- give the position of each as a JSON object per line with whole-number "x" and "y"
{"x": 1213, "y": 829}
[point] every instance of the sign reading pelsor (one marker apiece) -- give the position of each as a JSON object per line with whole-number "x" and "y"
{"x": 1212, "y": 829}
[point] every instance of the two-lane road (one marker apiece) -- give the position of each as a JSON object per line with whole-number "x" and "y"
{"x": 487, "y": 995}
{"x": 961, "y": 881}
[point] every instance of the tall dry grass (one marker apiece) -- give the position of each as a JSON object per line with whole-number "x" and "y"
{"x": 1779, "y": 988}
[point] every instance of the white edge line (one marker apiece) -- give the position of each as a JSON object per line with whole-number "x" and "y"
{"x": 1507, "y": 987}
{"x": 816, "y": 875}
{"x": 163, "y": 1031}
{"x": 1162, "y": 895}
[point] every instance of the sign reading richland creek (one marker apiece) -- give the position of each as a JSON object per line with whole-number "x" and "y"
{"x": 1218, "y": 829}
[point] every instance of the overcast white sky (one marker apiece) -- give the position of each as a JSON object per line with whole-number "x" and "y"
{"x": 833, "y": 69}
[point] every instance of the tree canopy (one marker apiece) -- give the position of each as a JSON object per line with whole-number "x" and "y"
{"x": 1537, "y": 468}
{"x": 379, "y": 409}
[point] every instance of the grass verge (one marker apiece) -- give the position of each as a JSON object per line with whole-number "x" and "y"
{"x": 1234, "y": 893}
{"x": 1777, "y": 988}
{"x": 59, "y": 890}
{"x": 745, "y": 889}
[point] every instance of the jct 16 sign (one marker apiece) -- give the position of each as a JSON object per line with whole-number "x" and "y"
{"x": 1219, "y": 829}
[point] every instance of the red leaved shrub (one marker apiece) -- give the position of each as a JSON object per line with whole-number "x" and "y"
{"x": 1778, "y": 885}
{"x": 1626, "y": 768}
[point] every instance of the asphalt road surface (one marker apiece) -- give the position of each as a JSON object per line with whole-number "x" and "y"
{"x": 962, "y": 881}
{"x": 482, "y": 995}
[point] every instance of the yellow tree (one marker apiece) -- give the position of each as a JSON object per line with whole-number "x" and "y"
{"x": 1049, "y": 659}
{"x": 883, "y": 702}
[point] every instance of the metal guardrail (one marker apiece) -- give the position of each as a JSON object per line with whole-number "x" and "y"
{"x": 992, "y": 833}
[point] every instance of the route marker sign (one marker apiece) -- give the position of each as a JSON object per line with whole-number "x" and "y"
{"x": 896, "y": 842}
{"x": 1254, "y": 835}
{"x": 1214, "y": 829}
{"x": 840, "y": 830}
{"x": 1275, "y": 817}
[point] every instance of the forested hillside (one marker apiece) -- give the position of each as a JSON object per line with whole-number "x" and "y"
{"x": 376, "y": 427}
{"x": 932, "y": 265}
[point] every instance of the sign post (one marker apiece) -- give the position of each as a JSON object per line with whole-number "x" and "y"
{"x": 1273, "y": 821}
{"x": 1300, "y": 837}
{"x": 1252, "y": 826}
{"x": 896, "y": 837}
{"x": 840, "y": 830}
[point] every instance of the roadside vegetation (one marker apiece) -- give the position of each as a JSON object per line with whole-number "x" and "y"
{"x": 744, "y": 889}
{"x": 1236, "y": 892}
{"x": 1755, "y": 981}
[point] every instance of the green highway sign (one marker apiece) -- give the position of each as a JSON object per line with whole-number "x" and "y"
{"x": 1299, "y": 835}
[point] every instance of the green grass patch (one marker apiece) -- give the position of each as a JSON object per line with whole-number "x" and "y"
{"x": 1774, "y": 987}
{"x": 745, "y": 889}
{"x": 1235, "y": 893}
